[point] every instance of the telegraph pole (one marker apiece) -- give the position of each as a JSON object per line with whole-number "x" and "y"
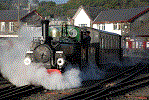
{"x": 18, "y": 12}
{"x": 18, "y": 17}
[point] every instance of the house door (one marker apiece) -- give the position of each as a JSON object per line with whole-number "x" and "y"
{"x": 144, "y": 44}
{"x": 130, "y": 44}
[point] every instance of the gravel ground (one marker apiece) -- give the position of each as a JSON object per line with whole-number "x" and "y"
{"x": 51, "y": 95}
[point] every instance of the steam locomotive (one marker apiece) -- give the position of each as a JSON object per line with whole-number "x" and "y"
{"x": 60, "y": 45}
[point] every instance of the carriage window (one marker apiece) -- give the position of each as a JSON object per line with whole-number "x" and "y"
{"x": 107, "y": 44}
{"x": 102, "y": 42}
{"x": 111, "y": 42}
{"x": 116, "y": 43}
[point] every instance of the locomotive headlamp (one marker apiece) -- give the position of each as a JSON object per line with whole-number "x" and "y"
{"x": 27, "y": 61}
{"x": 60, "y": 61}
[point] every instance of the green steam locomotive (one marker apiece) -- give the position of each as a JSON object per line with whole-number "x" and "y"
{"x": 58, "y": 46}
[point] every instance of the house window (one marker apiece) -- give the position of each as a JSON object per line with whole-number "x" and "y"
{"x": 98, "y": 26}
{"x": 133, "y": 44}
{"x": 11, "y": 26}
{"x": 103, "y": 26}
{"x": 3, "y": 26}
{"x": 119, "y": 26}
{"x": 126, "y": 44}
{"x": 115, "y": 26}
{"x": 126, "y": 26}
{"x": 83, "y": 25}
{"x": 140, "y": 44}
{"x": 137, "y": 44}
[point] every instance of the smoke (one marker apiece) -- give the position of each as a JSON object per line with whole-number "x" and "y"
{"x": 12, "y": 54}
{"x": 92, "y": 72}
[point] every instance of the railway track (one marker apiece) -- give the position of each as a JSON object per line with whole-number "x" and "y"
{"x": 115, "y": 85}
{"x": 109, "y": 87}
{"x": 14, "y": 92}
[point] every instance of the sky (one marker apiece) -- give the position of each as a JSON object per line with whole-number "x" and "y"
{"x": 57, "y": 1}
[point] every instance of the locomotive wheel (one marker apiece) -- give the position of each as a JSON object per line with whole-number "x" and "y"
{"x": 42, "y": 53}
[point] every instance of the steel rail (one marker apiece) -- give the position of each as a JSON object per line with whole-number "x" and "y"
{"x": 7, "y": 89}
{"x": 19, "y": 91}
{"x": 95, "y": 88}
{"x": 119, "y": 88}
{"x": 11, "y": 89}
{"x": 16, "y": 90}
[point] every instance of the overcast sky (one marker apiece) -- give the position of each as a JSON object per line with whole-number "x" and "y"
{"x": 57, "y": 1}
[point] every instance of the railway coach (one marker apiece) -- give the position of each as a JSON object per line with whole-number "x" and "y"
{"x": 60, "y": 45}
{"x": 104, "y": 46}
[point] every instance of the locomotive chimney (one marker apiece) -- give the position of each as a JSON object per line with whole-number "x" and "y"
{"x": 45, "y": 31}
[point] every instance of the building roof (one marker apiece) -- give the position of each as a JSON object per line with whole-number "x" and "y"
{"x": 11, "y": 15}
{"x": 142, "y": 30}
{"x": 27, "y": 14}
{"x": 70, "y": 13}
{"x": 120, "y": 15}
{"x": 92, "y": 12}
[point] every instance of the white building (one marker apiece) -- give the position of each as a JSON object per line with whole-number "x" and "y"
{"x": 118, "y": 21}
{"x": 85, "y": 16}
{"x": 110, "y": 27}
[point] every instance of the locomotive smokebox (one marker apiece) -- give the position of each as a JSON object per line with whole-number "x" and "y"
{"x": 45, "y": 31}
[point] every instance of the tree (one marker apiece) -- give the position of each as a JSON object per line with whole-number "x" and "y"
{"x": 2, "y": 7}
{"x": 72, "y": 5}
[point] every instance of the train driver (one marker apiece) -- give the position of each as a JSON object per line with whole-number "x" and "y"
{"x": 85, "y": 43}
